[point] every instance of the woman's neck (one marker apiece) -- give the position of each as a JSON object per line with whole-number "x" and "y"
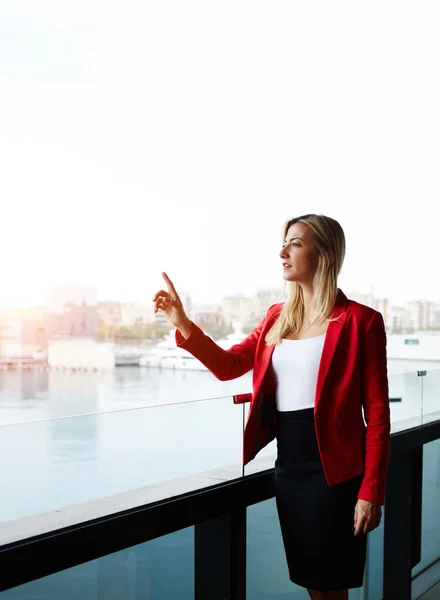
{"x": 309, "y": 301}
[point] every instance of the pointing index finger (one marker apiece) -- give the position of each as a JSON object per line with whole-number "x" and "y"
{"x": 170, "y": 285}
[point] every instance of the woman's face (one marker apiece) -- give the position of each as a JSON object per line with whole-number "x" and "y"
{"x": 299, "y": 254}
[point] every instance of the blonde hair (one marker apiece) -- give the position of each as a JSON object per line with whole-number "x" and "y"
{"x": 330, "y": 243}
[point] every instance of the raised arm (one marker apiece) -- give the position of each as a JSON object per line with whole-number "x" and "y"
{"x": 224, "y": 364}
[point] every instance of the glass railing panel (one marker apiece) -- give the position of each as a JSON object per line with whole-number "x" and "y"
{"x": 31, "y": 395}
{"x": 267, "y": 575}
{"x": 372, "y": 588}
{"x": 265, "y": 459}
{"x": 72, "y": 460}
{"x": 427, "y": 582}
{"x": 161, "y": 569}
{"x": 431, "y": 395}
{"x": 430, "y": 506}
{"x": 405, "y": 391}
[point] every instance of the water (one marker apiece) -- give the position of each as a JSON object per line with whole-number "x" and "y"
{"x": 34, "y": 395}
{"x": 133, "y": 427}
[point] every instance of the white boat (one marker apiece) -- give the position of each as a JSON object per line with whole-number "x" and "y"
{"x": 128, "y": 356}
{"x": 175, "y": 358}
{"x": 230, "y": 340}
{"x": 166, "y": 355}
{"x": 233, "y": 338}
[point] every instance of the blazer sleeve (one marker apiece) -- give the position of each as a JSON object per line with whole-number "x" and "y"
{"x": 224, "y": 364}
{"x": 376, "y": 405}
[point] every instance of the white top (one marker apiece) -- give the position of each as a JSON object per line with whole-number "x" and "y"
{"x": 296, "y": 364}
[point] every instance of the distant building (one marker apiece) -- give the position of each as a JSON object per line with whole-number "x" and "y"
{"x": 161, "y": 320}
{"x": 396, "y": 319}
{"x": 23, "y": 333}
{"x": 136, "y": 314}
{"x": 434, "y": 316}
{"x": 414, "y": 315}
{"x": 73, "y": 313}
{"x": 382, "y": 306}
{"x": 187, "y": 302}
{"x": 80, "y": 353}
{"x": 265, "y": 298}
{"x": 210, "y": 315}
{"x": 239, "y": 309}
{"x": 109, "y": 313}
{"x": 422, "y": 314}
{"x": 362, "y": 298}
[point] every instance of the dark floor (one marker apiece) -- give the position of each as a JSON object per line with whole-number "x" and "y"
{"x": 432, "y": 594}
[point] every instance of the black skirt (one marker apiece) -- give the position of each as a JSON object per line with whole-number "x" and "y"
{"x": 317, "y": 520}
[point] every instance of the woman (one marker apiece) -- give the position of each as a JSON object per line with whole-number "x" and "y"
{"x": 320, "y": 370}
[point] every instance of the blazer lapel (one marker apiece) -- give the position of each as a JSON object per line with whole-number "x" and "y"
{"x": 331, "y": 341}
{"x": 333, "y": 334}
{"x": 266, "y": 356}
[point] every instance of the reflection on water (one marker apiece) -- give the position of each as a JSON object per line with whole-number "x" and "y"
{"x": 23, "y": 395}
{"x": 33, "y": 395}
{"x": 162, "y": 569}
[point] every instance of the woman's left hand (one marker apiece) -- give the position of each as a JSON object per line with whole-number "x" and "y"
{"x": 367, "y": 516}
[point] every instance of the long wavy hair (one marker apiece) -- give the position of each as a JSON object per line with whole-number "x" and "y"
{"x": 330, "y": 243}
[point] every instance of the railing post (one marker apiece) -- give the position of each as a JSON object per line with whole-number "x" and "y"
{"x": 421, "y": 374}
{"x": 416, "y": 512}
{"x": 220, "y": 557}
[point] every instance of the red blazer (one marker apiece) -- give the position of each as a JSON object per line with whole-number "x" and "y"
{"x": 352, "y": 376}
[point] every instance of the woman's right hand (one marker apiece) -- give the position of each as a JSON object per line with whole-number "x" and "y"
{"x": 171, "y": 305}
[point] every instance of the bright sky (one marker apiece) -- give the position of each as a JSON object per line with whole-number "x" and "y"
{"x": 145, "y": 136}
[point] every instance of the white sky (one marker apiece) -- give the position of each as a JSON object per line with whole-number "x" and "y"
{"x": 143, "y": 136}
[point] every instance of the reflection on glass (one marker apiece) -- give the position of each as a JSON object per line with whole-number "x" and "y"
{"x": 23, "y": 395}
{"x": 34, "y": 395}
{"x": 266, "y": 570}
{"x": 162, "y": 569}
{"x": 431, "y": 395}
{"x": 373, "y": 577}
{"x": 405, "y": 401}
{"x": 430, "y": 506}
{"x": 267, "y": 573}
{"x": 73, "y": 460}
